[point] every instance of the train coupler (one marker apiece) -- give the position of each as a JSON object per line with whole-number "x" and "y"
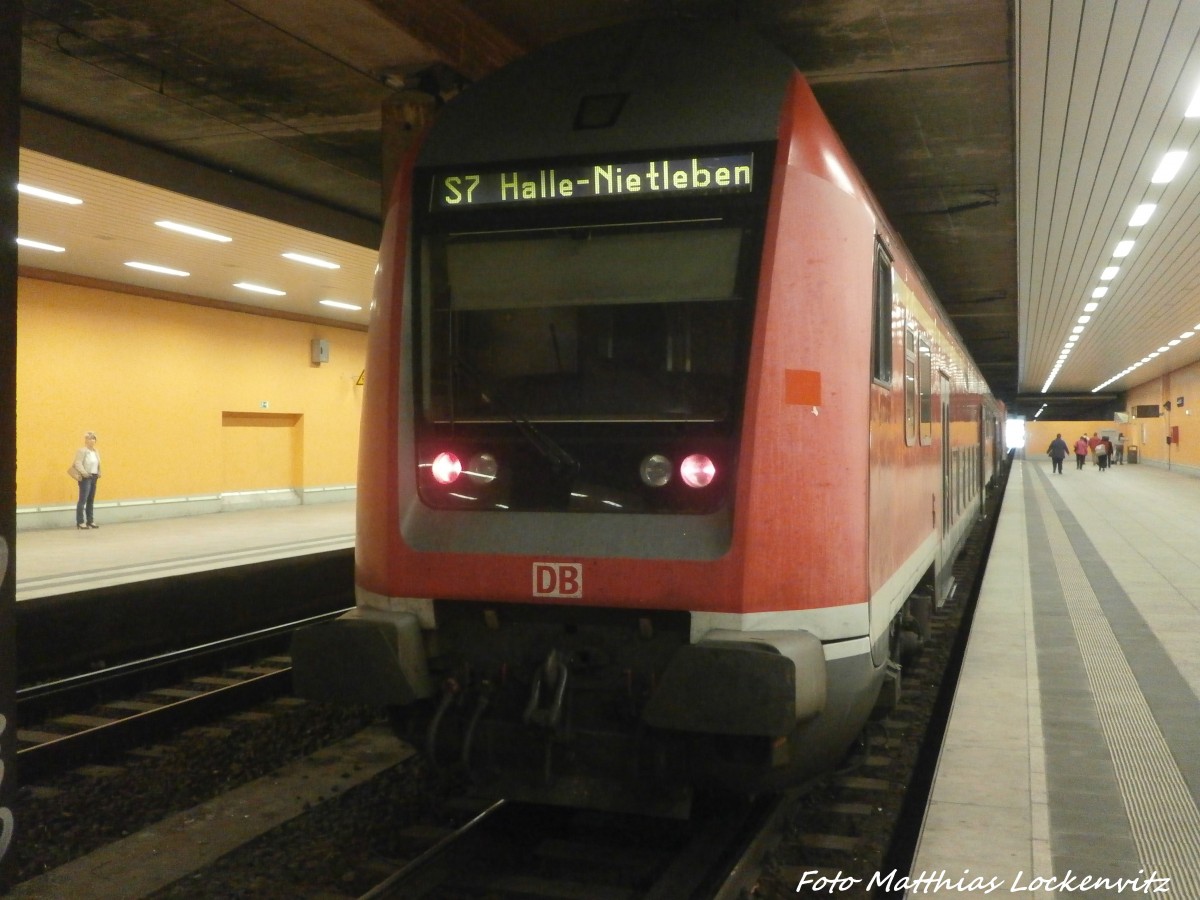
{"x": 551, "y": 680}
{"x": 451, "y": 692}
{"x": 483, "y": 699}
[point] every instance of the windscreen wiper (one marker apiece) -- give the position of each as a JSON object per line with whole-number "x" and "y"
{"x": 560, "y": 460}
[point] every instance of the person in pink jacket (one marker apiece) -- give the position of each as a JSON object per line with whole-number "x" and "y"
{"x": 1081, "y": 451}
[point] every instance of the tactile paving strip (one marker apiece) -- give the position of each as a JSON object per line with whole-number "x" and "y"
{"x": 1163, "y": 817}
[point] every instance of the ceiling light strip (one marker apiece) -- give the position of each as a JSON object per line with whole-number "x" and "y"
{"x": 48, "y": 195}
{"x": 161, "y": 270}
{"x": 1174, "y": 342}
{"x": 193, "y": 231}
{"x": 1168, "y": 168}
{"x": 311, "y": 260}
{"x": 260, "y": 289}
{"x": 39, "y": 245}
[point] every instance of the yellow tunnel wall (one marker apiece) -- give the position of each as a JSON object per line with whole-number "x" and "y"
{"x": 176, "y": 394}
{"x": 1151, "y": 433}
{"x": 1147, "y": 433}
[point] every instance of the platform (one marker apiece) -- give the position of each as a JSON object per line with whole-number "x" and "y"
{"x": 65, "y": 560}
{"x": 1073, "y": 747}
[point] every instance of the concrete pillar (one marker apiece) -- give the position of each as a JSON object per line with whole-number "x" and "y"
{"x": 10, "y": 132}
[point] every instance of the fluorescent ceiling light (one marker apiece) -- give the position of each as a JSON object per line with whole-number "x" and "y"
{"x": 1171, "y": 163}
{"x": 1187, "y": 334}
{"x": 38, "y": 245}
{"x": 259, "y": 289}
{"x": 1123, "y": 248}
{"x": 311, "y": 260}
{"x": 1077, "y": 329}
{"x": 1163, "y": 349}
{"x": 1110, "y": 273}
{"x": 161, "y": 270}
{"x": 194, "y": 232}
{"x": 48, "y": 195}
{"x": 1090, "y": 307}
{"x": 1173, "y": 343}
{"x": 1193, "y": 109}
{"x": 1099, "y": 292}
{"x": 338, "y": 304}
{"x": 1142, "y": 215}
{"x": 1083, "y": 320}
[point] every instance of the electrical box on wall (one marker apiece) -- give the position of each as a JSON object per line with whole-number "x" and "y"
{"x": 320, "y": 350}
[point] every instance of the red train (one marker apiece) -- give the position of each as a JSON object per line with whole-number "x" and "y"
{"x": 667, "y": 447}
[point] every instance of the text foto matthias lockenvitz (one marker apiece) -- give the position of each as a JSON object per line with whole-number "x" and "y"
{"x": 940, "y": 881}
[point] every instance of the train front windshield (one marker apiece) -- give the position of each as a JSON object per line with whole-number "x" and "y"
{"x": 584, "y": 324}
{"x": 583, "y": 355}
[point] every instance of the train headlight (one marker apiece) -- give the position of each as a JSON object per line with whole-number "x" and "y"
{"x": 482, "y": 468}
{"x": 655, "y": 470}
{"x": 446, "y": 468}
{"x": 697, "y": 471}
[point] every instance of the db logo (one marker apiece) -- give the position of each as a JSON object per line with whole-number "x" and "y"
{"x": 557, "y": 579}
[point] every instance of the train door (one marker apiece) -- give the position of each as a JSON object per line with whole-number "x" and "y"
{"x": 947, "y": 456}
{"x": 981, "y": 454}
{"x": 944, "y": 579}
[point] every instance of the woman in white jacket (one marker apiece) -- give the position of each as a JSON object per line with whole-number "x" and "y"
{"x": 87, "y": 467}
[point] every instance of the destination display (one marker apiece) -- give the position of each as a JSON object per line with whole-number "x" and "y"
{"x": 564, "y": 183}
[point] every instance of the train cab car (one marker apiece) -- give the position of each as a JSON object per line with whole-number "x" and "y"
{"x": 667, "y": 448}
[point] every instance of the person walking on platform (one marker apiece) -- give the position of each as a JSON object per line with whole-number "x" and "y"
{"x": 1081, "y": 451}
{"x": 1119, "y": 451}
{"x": 1092, "y": 442}
{"x": 1058, "y": 451}
{"x": 87, "y": 467}
{"x": 1102, "y": 453}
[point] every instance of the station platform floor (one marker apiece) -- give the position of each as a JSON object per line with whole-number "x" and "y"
{"x": 66, "y": 560}
{"x": 1073, "y": 747}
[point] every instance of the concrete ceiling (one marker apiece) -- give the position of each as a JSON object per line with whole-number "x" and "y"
{"x": 289, "y": 112}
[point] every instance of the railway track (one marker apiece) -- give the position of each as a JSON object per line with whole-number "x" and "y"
{"x": 862, "y": 823}
{"x": 834, "y": 835}
{"x": 517, "y": 850}
{"x": 399, "y": 831}
{"x": 73, "y": 721}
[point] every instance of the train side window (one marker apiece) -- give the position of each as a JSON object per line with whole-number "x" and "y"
{"x": 925, "y": 381}
{"x": 881, "y": 343}
{"x": 910, "y": 384}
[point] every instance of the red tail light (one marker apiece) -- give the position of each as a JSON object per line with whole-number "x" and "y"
{"x": 446, "y": 468}
{"x": 697, "y": 471}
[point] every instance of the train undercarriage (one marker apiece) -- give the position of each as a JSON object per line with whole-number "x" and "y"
{"x": 613, "y": 709}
